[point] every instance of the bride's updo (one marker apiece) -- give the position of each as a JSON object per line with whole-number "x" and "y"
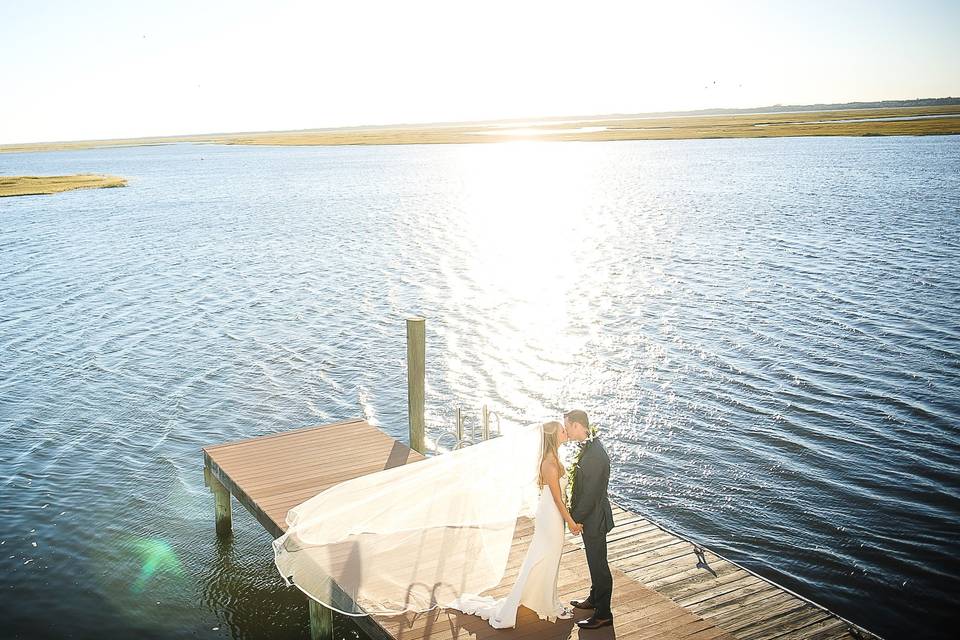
{"x": 551, "y": 443}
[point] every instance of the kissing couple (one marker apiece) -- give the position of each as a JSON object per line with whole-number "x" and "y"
{"x": 438, "y": 533}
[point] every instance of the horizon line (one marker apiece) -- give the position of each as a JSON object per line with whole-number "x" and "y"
{"x": 774, "y": 108}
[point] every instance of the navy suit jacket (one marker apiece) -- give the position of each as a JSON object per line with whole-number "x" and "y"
{"x": 589, "y": 504}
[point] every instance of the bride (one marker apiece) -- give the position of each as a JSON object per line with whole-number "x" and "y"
{"x": 536, "y": 585}
{"x": 436, "y": 533}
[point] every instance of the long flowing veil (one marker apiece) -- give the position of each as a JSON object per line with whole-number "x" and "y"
{"x": 414, "y": 537}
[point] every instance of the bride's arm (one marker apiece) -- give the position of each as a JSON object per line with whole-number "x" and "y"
{"x": 551, "y": 474}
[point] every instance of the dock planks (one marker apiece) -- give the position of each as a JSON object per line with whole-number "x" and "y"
{"x": 659, "y": 589}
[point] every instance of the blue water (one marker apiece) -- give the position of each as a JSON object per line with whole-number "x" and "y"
{"x": 765, "y": 330}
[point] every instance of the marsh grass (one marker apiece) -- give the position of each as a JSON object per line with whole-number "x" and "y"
{"x": 40, "y": 185}
{"x": 753, "y": 125}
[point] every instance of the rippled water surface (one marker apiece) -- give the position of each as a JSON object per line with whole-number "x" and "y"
{"x": 766, "y": 331}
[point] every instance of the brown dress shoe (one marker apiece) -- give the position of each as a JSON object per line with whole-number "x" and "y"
{"x": 595, "y": 623}
{"x": 582, "y": 604}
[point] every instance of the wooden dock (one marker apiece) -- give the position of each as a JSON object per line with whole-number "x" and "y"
{"x": 664, "y": 586}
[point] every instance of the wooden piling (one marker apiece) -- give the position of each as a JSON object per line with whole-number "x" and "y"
{"x": 416, "y": 368}
{"x": 221, "y": 498}
{"x": 321, "y": 621}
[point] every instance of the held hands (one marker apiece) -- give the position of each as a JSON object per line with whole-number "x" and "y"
{"x": 575, "y": 528}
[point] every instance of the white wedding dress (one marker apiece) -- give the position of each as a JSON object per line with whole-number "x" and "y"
{"x": 536, "y": 585}
{"x": 428, "y": 535}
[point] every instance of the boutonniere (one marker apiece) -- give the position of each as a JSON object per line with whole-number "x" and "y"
{"x": 572, "y": 471}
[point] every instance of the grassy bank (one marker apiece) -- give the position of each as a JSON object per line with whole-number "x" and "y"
{"x": 39, "y": 185}
{"x": 930, "y": 120}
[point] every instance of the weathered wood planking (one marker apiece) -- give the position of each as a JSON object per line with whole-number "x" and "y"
{"x": 659, "y": 589}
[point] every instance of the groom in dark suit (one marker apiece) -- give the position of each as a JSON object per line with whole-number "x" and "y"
{"x": 590, "y": 507}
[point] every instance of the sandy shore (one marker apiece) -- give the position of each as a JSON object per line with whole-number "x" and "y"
{"x": 901, "y": 121}
{"x": 38, "y": 185}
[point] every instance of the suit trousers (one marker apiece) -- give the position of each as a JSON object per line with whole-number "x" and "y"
{"x": 601, "y": 582}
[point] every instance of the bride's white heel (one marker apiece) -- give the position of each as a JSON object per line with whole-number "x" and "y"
{"x": 565, "y": 613}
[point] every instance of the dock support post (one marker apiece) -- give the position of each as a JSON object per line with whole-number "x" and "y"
{"x": 416, "y": 367}
{"x": 321, "y": 621}
{"x": 221, "y": 497}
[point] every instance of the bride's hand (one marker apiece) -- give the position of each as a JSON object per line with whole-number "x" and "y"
{"x": 576, "y": 528}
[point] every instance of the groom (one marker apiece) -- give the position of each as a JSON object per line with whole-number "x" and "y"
{"x": 590, "y": 507}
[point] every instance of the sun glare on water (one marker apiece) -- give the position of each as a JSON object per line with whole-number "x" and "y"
{"x": 525, "y": 211}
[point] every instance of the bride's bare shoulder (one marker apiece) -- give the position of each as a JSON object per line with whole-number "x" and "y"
{"x": 550, "y": 464}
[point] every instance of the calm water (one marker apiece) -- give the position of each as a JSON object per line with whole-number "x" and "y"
{"x": 766, "y": 330}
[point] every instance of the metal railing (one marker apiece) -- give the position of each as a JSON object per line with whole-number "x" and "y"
{"x": 459, "y": 435}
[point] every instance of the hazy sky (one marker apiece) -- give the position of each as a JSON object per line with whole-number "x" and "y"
{"x": 80, "y": 70}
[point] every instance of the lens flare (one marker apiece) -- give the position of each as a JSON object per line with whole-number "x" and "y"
{"x": 157, "y": 558}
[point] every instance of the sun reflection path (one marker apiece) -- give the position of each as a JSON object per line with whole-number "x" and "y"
{"x": 527, "y": 217}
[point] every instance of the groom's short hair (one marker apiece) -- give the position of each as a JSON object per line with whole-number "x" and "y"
{"x": 578, "y": 416}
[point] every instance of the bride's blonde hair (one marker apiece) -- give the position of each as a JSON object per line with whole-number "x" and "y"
{"x": 550, "y": 445}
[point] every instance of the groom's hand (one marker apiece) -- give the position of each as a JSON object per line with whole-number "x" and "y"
{"x": 576, "y": 529}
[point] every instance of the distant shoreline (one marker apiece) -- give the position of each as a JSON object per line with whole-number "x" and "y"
{"x": 942, "y": 118}
{"x": 44, "y": 185}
